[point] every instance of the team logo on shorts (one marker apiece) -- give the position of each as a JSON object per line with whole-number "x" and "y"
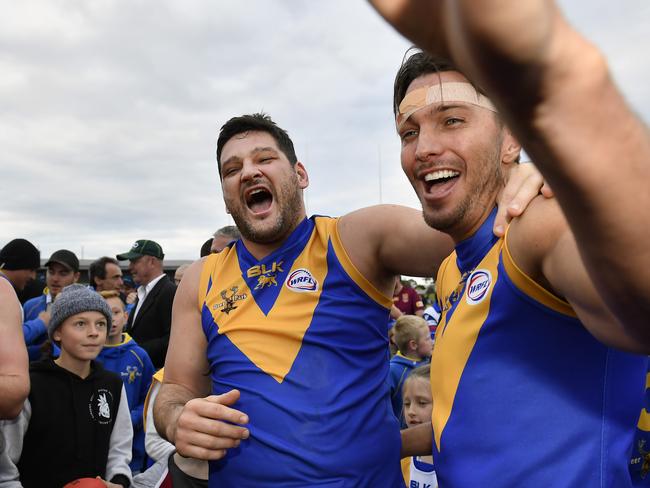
{"x": 100, "y": 406}
{"x": 301, "y": 281}
{"x": 478, "y": 285}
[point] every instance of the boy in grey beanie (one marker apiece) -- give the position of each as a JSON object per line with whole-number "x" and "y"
{"x": 75, "y": 299}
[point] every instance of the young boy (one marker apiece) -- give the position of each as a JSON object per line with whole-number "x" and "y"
{"x": 414, "y": 348}
{"x": 75, "y": 422}
{"x": 123, "y": 356}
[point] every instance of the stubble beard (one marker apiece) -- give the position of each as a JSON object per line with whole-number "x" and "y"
{"x": 481, "y": 195}
{"x": 289, "y": 200}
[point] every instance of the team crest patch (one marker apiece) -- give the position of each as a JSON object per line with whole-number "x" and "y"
{"x": 478, "y": 285}
{"x": 302, "y": 281}
{"x": 229, "y": 297}
{"x": 131, "y": 374}
{"x": 100, "y": 406}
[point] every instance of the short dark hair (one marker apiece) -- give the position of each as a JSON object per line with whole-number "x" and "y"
{"x": 416, "y": 65}
{"x": 205, "y": 248}
{"x": 98, "y": 269}
{"x": 259, "y": 122}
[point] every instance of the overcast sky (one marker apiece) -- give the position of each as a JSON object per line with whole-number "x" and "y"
{"x": 109, "y": 109}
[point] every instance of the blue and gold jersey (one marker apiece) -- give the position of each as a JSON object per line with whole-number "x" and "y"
{"x": 301, "y": 333}
{"x": 523, "y": 395}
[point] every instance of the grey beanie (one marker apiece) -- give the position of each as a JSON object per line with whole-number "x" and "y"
{"x": 75, "y": 299}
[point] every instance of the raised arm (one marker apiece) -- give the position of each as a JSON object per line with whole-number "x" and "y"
{"x": 555, "y": 92}
{"x": 14, "y": 366}
{"x": 200, "y": 425}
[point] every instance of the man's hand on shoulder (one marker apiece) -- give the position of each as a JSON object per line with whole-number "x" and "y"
{"x": 533, "y": 234}
{"x": 524, "y": 183}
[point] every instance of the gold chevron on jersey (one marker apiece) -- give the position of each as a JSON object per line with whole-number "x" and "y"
{"x": 237, "y": 315}
{"x": 457, "y": 334}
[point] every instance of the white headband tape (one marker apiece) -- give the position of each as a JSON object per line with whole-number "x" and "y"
{"x": 440, "y": 93}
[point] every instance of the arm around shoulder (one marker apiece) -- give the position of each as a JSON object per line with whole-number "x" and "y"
{"x": 381, "y": 241}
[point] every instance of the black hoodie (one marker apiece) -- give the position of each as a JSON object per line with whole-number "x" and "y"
{"x": 70, "y": 431}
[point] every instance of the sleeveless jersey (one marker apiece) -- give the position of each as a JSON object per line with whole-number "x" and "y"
{"x": 523, "y": 395}
{"x": 301, "y": 333}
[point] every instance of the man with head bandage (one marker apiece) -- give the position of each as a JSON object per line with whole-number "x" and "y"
{"x": 529, "y": 362}
{"x": 554, "y": 89}
{"x": 442, "y": 93}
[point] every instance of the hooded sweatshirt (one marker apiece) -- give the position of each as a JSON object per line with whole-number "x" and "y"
{"x": 70, "y": 427}
{"x": 132, "y": 363}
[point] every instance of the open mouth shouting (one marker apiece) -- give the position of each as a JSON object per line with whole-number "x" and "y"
{"x": 259, "y": 200}
{"x": 439, "y": 183}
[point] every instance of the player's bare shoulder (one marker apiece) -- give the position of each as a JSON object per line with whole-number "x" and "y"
{"x": 534, "y": 234}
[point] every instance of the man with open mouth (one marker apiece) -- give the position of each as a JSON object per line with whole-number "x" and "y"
{"x": 290, "y": 323}
{"x": 539, "y": 366}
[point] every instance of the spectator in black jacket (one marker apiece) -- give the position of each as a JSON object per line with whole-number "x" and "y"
{"x": 150, "y": 321}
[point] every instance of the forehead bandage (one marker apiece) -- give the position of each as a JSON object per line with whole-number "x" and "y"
{"x": 440, "y": 93}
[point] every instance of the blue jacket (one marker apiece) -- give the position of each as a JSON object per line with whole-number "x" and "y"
{"x": 132, "y": 363}
{"x": 34, "y": 329}
{"x": 400, "y": 367}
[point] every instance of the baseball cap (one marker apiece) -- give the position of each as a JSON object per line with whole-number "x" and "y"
{"x": 142, "y": 247}
{"x": 65, "y": 258}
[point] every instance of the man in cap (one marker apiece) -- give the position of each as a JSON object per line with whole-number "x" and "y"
{"x": 62, "y": 270}
{"x": 19, "y": 260}
{"x": 150, "y": 322}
